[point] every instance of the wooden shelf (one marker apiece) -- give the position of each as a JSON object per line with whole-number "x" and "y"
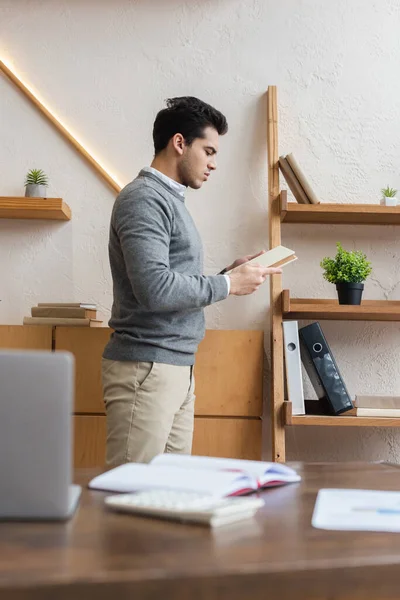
{"x": 339, "y": 214}
{"x": 34, "y": 208}
{"x": 330, "y": 309}
{"x": 339, "y": 421}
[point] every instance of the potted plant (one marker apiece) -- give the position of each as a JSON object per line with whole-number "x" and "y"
{"x": 35, "y": 184}
{"x": 389, "y": 196}
{"x": 347, "y": 270}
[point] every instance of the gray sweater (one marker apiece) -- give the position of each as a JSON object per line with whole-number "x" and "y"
{"x": 156, "y": 263}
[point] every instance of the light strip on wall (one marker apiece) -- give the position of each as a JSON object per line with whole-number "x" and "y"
{"x": 32, "y": 96}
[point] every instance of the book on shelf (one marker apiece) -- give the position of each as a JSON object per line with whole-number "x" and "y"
{"x": 302, "y": 179}
{"x": 66, "y": 312}
{"x": 292, "y": 181}
{"x": 323, "y": 371}
{"x": 69, "y": 322}
{"x": 215, "y": 476}
{"x": 87, "y": 305}
{"x": 389, "y": 413}
{"x": 385, "y": 402}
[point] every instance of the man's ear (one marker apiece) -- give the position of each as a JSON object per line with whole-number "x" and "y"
{"x": 178, "y": 143}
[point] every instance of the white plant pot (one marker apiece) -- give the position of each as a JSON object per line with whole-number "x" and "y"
{"x": 386, "y": 201}
{"x": 33, "y": 190}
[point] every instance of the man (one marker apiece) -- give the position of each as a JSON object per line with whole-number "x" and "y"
{"x": 160, "y": 291}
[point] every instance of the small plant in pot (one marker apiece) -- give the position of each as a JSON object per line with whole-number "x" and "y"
{"x": 347, "y": 270}
{"x": 389, "y": 196}
{"x": 35, "y": 184}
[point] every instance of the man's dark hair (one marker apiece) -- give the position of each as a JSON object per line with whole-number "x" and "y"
{"x": 186, "y": 115}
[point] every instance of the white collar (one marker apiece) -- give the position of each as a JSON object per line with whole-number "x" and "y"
{"x": 174, "y": 185}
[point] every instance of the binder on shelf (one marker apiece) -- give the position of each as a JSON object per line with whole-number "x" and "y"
{"x": 294, "y": 379}
{"x": 323, "y": 371}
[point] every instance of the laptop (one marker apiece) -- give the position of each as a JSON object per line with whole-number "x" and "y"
{"x": 36, "y": 404}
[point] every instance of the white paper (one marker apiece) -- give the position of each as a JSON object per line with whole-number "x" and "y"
{"x": 133, "y": 477}
{"x": 357, "y": 510}
{"x": 263, "y": 472}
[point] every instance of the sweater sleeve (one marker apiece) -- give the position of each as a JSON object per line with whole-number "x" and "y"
{"x": 144, "y": 227}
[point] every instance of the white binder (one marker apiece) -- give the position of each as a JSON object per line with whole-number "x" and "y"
{"x": 294, "y": 378}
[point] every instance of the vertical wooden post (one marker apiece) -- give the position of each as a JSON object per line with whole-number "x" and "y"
{"x": 277, "y": 389}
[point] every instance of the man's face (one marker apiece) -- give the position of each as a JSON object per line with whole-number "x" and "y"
{"x": 198, "y": 159}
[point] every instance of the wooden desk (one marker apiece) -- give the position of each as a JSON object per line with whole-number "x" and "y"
{"x": 279, "y": 555}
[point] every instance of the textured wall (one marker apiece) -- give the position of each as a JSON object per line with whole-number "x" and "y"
{"x": 105, "y": 68}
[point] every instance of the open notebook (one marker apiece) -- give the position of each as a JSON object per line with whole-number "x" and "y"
{"x": 216, "y": 476}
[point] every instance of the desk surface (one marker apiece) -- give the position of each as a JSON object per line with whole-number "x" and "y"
{"x": 101, "y": 555}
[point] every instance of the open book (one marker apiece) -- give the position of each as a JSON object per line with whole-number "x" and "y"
{"x": 216, "y": 476}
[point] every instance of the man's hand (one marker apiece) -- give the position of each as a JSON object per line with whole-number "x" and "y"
{"x": 246, "y": 279}
{"x": 241, "y": 261}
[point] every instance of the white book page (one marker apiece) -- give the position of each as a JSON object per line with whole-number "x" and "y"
{"x": 260, "y": 471}
{"x": 133, "y": 477}
{"x": 357, "y": 510}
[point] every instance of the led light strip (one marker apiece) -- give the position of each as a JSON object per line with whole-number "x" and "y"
{"x": 59, "y": 126}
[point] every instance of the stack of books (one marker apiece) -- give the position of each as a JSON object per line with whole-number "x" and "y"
{"x": 296, "y": 180}
{"x": 72, "y": 314}
{"x": 377, "y": 406}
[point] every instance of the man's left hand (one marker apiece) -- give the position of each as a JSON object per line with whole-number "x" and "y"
{"x": 241, "y": 261}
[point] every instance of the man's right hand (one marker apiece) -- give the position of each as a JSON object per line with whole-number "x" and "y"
{"x": 247, "y": 278}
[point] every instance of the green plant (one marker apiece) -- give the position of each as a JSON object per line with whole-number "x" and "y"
{"x": 36, "y": 177}
{"x": 388, "y": 192}
{"x": 346, "y": 267}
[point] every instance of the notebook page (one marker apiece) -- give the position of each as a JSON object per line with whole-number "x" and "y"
{"x": 133, "y": 477}
{"x": 263, "y": 472}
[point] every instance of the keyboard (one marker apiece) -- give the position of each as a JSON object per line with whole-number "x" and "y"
{"x": 185, "y": 506}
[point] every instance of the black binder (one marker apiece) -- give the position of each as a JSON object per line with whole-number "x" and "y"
{"x": 323, "y": 371}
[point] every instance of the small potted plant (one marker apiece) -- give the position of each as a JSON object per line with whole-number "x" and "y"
{"x": 389, "y": 196}
{"x": 347, "y": 270}
{"x": 35, "y": 184}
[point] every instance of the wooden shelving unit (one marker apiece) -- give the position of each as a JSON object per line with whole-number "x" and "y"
{"x": 339, "y": 214}
{"x": 284, "y": 307}
{"x": 331, "y": 310}
{"x": 339, "y": 421}
{"x": 34, "y": 208}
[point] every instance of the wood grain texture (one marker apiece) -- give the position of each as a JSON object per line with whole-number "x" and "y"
{"x": 54, "y": 209}
{"x": 87, "y": 345}
{"x": 344, "y": 421}
{"x": 287, "y": 410}
{"x": 228, "y": 373}
{"x": 330, "y": 309}
{"x": 23, "y": 337}
{"x": 340, "y": 214}
{"x": 347, "y": 419}
{"x": 283, "y": 203}
{"x": 225, "y": 437}
{"x": 228, "y": 370}
{"x": 276, "y": 336}
{"x": 278, "y": 555}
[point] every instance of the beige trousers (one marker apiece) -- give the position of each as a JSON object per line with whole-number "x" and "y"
{"x": 150, "y": 410}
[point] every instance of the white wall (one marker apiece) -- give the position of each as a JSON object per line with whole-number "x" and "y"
{"x": 105, "y": 68}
